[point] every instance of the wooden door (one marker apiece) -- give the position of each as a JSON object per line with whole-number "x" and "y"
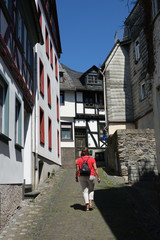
{"x": 80, "y": 141}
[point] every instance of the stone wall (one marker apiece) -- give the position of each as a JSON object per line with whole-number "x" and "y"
{"x": 68, "y": 157}
{"x": 10, "y": 199}
{"x": 132, "y": 154}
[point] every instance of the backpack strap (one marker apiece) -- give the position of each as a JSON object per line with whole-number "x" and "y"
{"x": 86, "y": 160}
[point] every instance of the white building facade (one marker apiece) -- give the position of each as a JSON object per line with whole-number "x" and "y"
{"x": 17, "y": 40}
{"x": 46, "y": 130}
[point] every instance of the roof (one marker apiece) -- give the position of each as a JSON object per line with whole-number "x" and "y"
{"x": 70, "y": 79}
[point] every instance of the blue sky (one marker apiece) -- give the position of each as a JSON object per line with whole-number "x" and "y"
{"x": 87, "y": 29}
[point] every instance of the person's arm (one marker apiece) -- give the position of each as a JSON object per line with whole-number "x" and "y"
{"x": 96, "y": 172}
{"x": 77, "y": 172}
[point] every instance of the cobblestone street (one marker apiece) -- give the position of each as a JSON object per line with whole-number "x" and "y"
{"x": 58, "y": 213}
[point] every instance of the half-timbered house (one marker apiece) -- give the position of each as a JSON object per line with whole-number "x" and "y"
{"x": 82, "y": 114}
{"x": 19, "y": 32}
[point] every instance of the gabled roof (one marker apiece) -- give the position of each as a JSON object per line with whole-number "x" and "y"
{"x": 89, "y": 70}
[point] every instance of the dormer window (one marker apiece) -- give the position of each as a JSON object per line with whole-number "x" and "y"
{"x": 92, "y": 79}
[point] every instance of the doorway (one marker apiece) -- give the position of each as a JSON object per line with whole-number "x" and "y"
{"x": 80, "y": 141}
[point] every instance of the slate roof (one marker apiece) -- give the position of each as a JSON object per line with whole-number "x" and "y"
{"x": 70, "y": 79}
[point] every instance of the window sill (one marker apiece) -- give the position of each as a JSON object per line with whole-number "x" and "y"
{"x": 66, "y": 140}
{"x": 18, "y": 147}
{"x": 4, "y": 138}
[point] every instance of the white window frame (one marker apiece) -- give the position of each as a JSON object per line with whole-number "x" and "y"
{"x": 143, "y": 90}
{"x": 68, "y": 126}
{"x": 137, "y": 49}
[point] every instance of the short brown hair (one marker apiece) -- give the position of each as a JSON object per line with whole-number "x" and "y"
{"x": 85, "y": 151}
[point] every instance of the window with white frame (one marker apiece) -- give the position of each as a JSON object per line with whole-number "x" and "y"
{"x": 137, "y": 49}
{"x": 18, "y": 122}
{"x": 4, "y": 107}
{"x": 142, "y": 90}
{"x": 155, "y": 7}
{"x": 66, "y": 131}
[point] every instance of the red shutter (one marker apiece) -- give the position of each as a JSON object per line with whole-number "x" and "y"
{"x": 41, "y": 73}
{"x": 58, "y": 142}
{"x": 51, "y": 54}
{"x": 49, "y": 91}
{"x": 56, "y": 68}
{"x": 57, "y": 109}
{"x": 47, "y": 43}
{"x": 49, "y": 133}
{"x": 41, "y": 126}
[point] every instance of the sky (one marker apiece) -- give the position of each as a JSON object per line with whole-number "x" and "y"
{"x": 87, "y": 30}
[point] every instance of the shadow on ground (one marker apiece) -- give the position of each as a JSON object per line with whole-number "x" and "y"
{"x": 78, "y": 206}
{"x": 127, "y": 214}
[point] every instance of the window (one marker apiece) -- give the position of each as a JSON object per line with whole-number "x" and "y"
{"x": 18, "y": 122}
{"x": 19, "y": 27}
{"x": 58, "y": 142}
{"x": 41, "y": 77}
{"x": 40, "y": 16}
{"x": 101, "y": 130}
{"x": 29, "y": 53}
{"x": 4, "y": 106}
{"x": 61, "y": 98}
{"x": 89, "y": 99}
{"x": 56, "y": 68}
{"x": 137, "y": 50}
{"x": 49, "y": 90}
{"x": 47, "y": 43}
{"x": 156, "y": 7}
{"x": 41, "y": 126}
{"x": 57, "y": 109}
{"x": 49, "y": 133}
{"x": 100, "y": 100}
{"x": 66, "y": 131}
{"x": 143, "y": 91}
{"x": 92, "y": 79}
{"x": 51, "y": 54}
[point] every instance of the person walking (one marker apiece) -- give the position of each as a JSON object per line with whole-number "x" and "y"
{"x": 87, "y": 182}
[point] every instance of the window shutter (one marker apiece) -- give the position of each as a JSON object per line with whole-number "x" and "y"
{"x": 47, "y": 43}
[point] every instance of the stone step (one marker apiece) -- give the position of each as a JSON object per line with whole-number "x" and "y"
{"x": 31, "y": 195}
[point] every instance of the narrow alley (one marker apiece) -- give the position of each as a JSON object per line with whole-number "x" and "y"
{"x": 58, "y": 213}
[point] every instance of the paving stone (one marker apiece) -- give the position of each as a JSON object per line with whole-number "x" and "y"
{"x": 59, "y": 213}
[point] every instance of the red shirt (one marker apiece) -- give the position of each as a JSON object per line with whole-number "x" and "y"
{"x": 90, "y": 162}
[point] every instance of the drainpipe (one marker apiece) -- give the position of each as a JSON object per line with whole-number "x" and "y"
{"x": 105, "y": 100}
